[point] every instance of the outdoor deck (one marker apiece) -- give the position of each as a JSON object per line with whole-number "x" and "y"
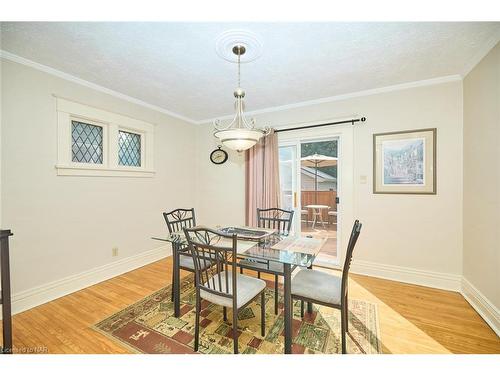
{"x": 329, "y": 251}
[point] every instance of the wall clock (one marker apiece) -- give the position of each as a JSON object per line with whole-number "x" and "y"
{"x": 218, "y": 156}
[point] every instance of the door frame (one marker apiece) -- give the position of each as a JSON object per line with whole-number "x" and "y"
{"x": 345, "y": 173}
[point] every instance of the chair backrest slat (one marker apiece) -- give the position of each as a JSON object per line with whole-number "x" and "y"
{"x": 356, "y": 229}
{"x": 214, "y": 256}
{"x": 179, "y": 219}
{"x": 275, "y": 218}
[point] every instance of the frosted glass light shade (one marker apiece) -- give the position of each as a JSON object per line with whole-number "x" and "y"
{"x": 239, "y": 139}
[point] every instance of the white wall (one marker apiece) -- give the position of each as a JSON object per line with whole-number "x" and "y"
{"x": 66, "y": 225}
{"x": 482, "y": 178}
{"x": 419, "y": 232}
{"x": 220, "y": 190}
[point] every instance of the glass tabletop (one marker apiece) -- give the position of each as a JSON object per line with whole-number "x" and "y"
{"x": 275, "y": 248}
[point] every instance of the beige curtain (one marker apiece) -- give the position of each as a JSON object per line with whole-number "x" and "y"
{"x": 262, "y": 187}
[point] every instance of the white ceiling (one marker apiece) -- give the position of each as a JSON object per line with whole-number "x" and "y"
{"x": 174, "y": 65}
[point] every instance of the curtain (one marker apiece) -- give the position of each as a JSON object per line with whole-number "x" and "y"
{"x": 262, "y": 187}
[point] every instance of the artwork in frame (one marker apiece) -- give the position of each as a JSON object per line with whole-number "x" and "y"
{"x": 404, "y": 162}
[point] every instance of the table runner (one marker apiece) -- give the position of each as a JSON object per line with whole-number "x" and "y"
{"x": 300, "y": 245}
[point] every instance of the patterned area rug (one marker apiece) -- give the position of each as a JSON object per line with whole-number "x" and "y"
{"x": 149, "y": 326}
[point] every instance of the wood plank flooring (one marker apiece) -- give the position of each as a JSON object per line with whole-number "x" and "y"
{"x": 413, "y": 319}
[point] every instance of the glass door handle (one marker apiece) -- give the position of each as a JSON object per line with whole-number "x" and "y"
{"x": 295, "y": 199}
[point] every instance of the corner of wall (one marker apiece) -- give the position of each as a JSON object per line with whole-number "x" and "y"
{"x": 484, "y": 307}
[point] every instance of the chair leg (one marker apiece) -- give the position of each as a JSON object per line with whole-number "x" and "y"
{"x": 224, "y": 312}
{"x": 235, "y": 330}
{"x": 301, "y": 308}
{"x": 241, "y": 270}
{"x": 346, "y": 314}
{"x": 258, "y": 274}
{"x": 276, "y": 295}
{"x": 172, "y": 297}
{"x": 343, "y": 329}
{"x": 197, "y": 323}
{"x": 263, "y": 313}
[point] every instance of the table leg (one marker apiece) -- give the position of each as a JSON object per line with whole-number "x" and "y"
{"x": 309, "y": 304}
{"x": 315, "y": 218}
{"x": 177, "y": 296}
{"x": 288, "y": 307}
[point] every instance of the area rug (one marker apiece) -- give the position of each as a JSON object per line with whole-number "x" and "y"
{"x": 149, "y": 326}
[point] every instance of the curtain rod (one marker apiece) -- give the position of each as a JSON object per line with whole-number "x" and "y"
{"x": 352, "y": 121}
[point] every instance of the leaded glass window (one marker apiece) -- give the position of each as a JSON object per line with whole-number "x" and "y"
{"x": 86, "y": 143}
{"x": 129, "y": 149}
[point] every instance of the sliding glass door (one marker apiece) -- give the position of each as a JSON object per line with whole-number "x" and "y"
{"x": 319, "y": 193}
{"x": 309, "y": 180}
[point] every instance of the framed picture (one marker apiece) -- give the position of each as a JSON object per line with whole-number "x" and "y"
{"x": 405, "y": 162}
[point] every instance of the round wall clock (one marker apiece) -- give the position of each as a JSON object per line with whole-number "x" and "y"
{"x": 218, "y": 156}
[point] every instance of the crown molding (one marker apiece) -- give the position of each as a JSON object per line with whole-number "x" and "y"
{"x": 356, "y": 94}
{"x": 485, "y": 49}
{"x": 47, "y": 69}
{"x": 403, "y": 86}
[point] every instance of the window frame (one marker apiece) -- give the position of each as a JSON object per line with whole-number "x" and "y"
{"x": 133, "y": 131}
{"x": 112, "y": 123}
{"x": 104, "y": 137}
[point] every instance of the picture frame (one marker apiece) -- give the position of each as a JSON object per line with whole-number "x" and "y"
{"x": 404, "y": 162}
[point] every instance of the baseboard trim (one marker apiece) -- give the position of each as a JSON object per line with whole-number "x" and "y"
{"x": 33, "y": 297}
{"x": 408, "y": 275}
{"x": 484, "y": 307}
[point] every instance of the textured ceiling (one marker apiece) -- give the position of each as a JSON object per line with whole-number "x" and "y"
{"x": 175, "y": 66}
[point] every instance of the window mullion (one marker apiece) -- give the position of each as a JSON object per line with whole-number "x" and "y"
{"x": 112, "y": 142}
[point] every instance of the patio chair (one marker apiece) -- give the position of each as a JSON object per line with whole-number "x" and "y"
{"x": 304, "y": 212}
{"x": 332, "y": 215}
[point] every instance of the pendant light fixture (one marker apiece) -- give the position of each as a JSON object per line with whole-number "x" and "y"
{"x": 240, "y": 134}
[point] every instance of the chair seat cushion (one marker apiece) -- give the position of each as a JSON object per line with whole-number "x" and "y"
{"x": 318, "y": 286}
{"x": 247, "y": 289}
{"x": 186, "y": 261}
{"x": 273, "y": 267}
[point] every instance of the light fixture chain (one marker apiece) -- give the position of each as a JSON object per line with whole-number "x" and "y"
{"x": 239, "y": 70}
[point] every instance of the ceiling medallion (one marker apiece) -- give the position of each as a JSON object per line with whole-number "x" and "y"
{"x": 240, "y": 134}
{"x": 228, "y": 39}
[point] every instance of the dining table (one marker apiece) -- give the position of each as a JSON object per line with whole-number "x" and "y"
{"x": 290, "y": 250}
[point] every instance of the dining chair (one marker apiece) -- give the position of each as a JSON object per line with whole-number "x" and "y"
{"x": 270, "y": 218}
{"x": 326, "y": 289}
{"x": 177, "y": 220}
{"x": 215, "y": 262}
{"x": 275, "y": 218}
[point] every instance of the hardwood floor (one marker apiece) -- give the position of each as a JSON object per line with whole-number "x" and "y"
{"x": 413, "y": 319}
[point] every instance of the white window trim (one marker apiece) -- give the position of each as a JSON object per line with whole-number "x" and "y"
{"x": 111, "y": 124}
